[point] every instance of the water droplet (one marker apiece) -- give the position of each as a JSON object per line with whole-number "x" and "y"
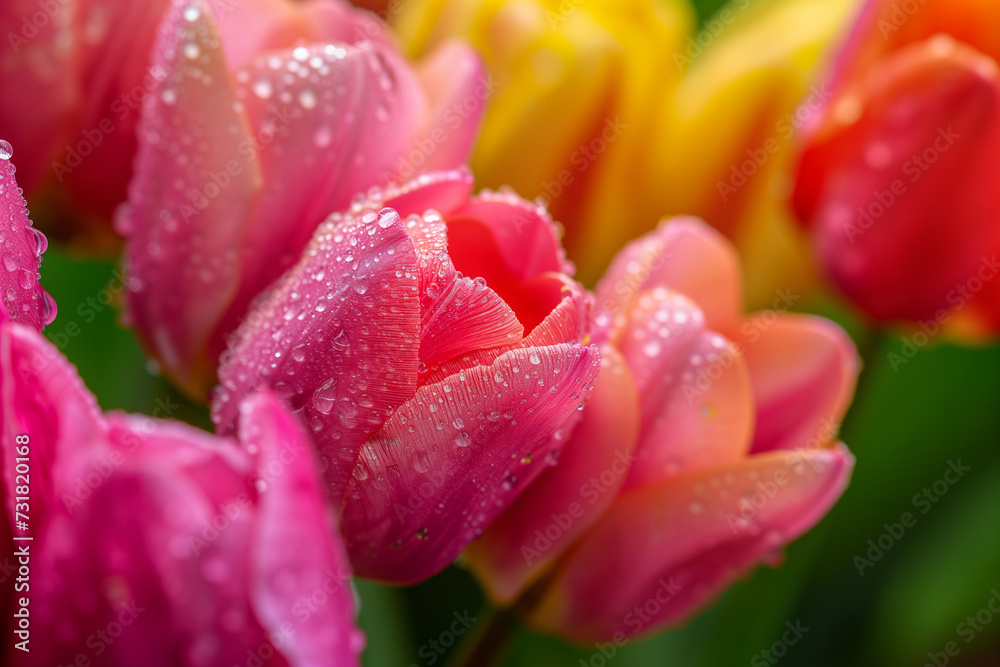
{"x": 6, "y": 150}
{"x": 535, "y": 359}
{"x": 262, "y": 88}
{"x": 192, "y": 14}
{"x": 325, "y": 396}
{"x": 307, "y": 98}
{"x": 191, "y": 50}
{"x": 463, "y": 439}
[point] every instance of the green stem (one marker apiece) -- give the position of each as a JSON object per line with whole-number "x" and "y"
{"x": 487, "y": 644}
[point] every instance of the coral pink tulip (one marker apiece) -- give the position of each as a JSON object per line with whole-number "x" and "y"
{"x": 706, "y": 446}
{"x": 154, "y": 543}
{"x": 896, "y": 180}
{"x": 21, "y": 247}
{"x": 435, "y": 348}
{"x": 243, "y": 153}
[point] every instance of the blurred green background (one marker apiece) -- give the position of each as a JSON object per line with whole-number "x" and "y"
{"x": 904, "y": 427}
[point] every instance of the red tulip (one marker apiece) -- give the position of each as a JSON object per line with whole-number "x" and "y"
{"x": 435, "y": 349}
{"x": 896, "y": 180}
{"x": 153, "y": 543}
{"x": 706, "y": 446}
{"x": 21, "y": 247}
{"x": 241, "y": 157}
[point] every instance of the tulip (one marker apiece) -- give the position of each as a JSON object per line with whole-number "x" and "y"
{"x": 575, "y": 103}
{"x": 724, "y": 149}
{"x": 652, "y": 129}
{"x": 21, "y": 248}
{"x": 437, "y": 351}
{"x": 82, "y": 72}
{"x": 895, "y": 178}
{"x": 707, "y": 445}
{"x": 153, "y": 543}
{"x": 243, "y": 154}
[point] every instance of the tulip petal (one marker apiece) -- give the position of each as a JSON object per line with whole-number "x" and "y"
{"x": 684, "y": 255}
{"x": 886, "y": 182}
{"x": 21, "y": 248}
{"x": 803, "y": 371}
{"x": 329, "y": 129}
{"x": 295, "y": 550}
{"x": 452, "y": 458}
{"x": 679, "y": 543}
{"x": 338, "y": 339}
{"x": 524, "y": 233}
{"x": 457, "y": 88}
{"x": 696, "y": 399}
{"x": 184, "y": 272}
{"x": 37, "y": 65}
{"x": 441, "y": 191}
{"x": 114, "y": 41}
{"x": 44, "y": 399}
{"x": 565, "y": 501}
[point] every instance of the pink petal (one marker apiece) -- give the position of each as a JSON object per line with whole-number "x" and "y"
{"x": 442, "y": 191}
{"x": 151, "y": 545}
{"x": 337, "y": 339}
{"x": 524, "y": 233}
{"x": 37, "y": 63}
{"x": 458, "y": 88}
{"x": 565, "y": 501}
{"x": 44, "y": 399}
{"x": 665, "y": 551}
{"x": 21, "y": 248}
{"x": 803, "y": 371}
{"x": 695, "y": 395}
{"x": 322, "y": 138}
{"x": 686, "y": 256}
{"x": 113, "y": 39}
{"x": 189, "y": 199}
{"x": 452, "y": 458}
{"x": 295, "y": 550}
{"x": 568, "y": 322}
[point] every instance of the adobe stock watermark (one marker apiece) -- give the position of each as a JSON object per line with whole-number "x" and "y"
{"x": 902, "y": 11}
{"x": 636, "y": 620}
{"x": 959, "y": 297}
{"x": 797, "y": 460}
{"x": 31, "y": 24}
{"x": 590, "y": 491}
{"x": 755, "y": 326}
{"x": 967, "y": 630}
{"x": 784, "y": 128}
{"x": 914, "y": 168}
{"x": 101, "y": 640}
{"x": 582, "y": 158}
{"x": 432, "y": 650}
{"x": 711, "y": 31}
{"x": 924, "y": 501}
{"x": 102, "y": 468}
{"x": 779, "y": 649}
{"x": 454, "y": 117}
{"x": 121, "y": 108}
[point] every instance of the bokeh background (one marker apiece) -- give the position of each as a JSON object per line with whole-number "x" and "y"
{"x": 906, "y": 426}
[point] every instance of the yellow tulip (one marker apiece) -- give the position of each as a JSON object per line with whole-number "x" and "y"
{"x": 617, "y": 114}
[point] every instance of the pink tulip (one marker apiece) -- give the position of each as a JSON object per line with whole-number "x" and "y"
{"x": 82, "y": 72}
{"x": 897, "y": 176}
{"x": 243, "y": 153}
{"x": 707, "y": 445}
{"x": 435, "y": 348}
{"x": 21, "y": 246}
{"x": 154, "y": 543}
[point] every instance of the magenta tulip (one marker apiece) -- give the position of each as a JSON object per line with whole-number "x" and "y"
{"x": 436, "y": 350}
{"x": 243, "y": 152}
{"x": 154, "y": 543}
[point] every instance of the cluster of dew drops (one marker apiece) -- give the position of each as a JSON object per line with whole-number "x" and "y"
{"x": 11, "y": 254}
